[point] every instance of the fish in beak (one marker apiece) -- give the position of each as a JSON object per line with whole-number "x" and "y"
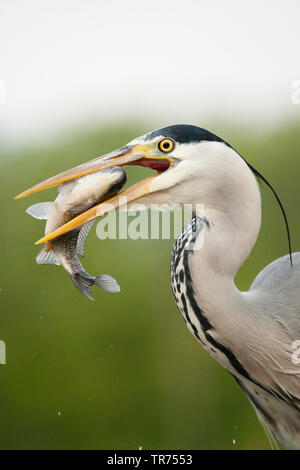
{"x": 139, "y": 154}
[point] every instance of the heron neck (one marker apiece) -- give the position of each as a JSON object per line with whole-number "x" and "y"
{"x": 228, "y": 237}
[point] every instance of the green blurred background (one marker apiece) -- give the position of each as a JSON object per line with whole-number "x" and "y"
{"x": 123, "y": 371}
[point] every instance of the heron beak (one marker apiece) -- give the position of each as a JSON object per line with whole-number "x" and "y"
{"x": 128, "y": 155}
{"x": 119, "y": 157}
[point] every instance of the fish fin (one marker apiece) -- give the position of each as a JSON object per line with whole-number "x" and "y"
{"x": 106, "y": 282}
{"x": 83, "y": 281}
{"x": 66, "y": 187}
{"x": 41, "y": 210}
{"x": 47, "y": 257}
{"x": 83, "y": 236}
{"x": 80, "y": 208}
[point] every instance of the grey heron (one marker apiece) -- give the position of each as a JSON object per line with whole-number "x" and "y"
{"x": 251, "y": 334}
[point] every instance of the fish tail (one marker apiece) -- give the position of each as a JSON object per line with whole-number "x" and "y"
{"x": 83, "y": 282}
{"x": 108, "y": 283}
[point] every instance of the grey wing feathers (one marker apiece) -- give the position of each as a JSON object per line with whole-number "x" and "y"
{"x": 276, "y": 293}
{"x": 279, "y": 274}
{"x": 82, "y": 237}
{"x": 278, "y": 285}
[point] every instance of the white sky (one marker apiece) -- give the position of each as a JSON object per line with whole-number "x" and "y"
{"x": 67, "y": 62}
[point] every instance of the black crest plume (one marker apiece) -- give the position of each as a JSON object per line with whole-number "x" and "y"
{"x": 260, "y": 176}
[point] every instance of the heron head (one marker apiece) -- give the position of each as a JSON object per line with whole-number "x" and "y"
{"x": 191, "y": 166}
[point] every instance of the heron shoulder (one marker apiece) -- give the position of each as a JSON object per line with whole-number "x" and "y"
{"x": 277, "y": 287}
{"x": 279, "y": 273}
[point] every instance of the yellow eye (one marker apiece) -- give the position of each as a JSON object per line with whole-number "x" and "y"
{"x": 166, "y": 145}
